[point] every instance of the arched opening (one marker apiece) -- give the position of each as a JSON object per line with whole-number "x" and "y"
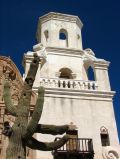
{"x": 63, "y": 36}
{"x": 90, "y": 74}
{"x": 65, "y": 73}
{"x": 104, "y": 136}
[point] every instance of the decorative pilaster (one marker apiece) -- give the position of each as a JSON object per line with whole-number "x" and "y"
{"x": 101, "y": 74}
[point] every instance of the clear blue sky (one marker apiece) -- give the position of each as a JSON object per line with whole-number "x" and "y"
{"x": 101, "y": 31}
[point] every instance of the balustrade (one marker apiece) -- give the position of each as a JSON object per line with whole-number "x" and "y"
{"x": 68, "y": 84}
{"x": 78, "y": 148}
{"x": 77, "y": 144}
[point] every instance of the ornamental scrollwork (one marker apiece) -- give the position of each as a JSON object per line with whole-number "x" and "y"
{"x": 110, "y": 153}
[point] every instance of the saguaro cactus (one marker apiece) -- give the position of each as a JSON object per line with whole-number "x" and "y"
{"x": 20, "y": 134}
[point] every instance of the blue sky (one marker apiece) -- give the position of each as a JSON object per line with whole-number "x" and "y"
{"x": 101, "y": 31}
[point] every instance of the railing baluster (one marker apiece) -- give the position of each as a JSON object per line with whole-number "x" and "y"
{"x": 76, "y": 145}
{"x": 68, "y": 83}
{"x": 91, "y": 86}
{"x": 73, "y": 144}
{"x": 86, "y": 144}
{"x": 71, "y": 84}
{"x": 82, "y": 146}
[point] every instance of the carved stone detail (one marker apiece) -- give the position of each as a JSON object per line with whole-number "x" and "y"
{"x": 9, "y": 71}
{"x": 110, "y": 153}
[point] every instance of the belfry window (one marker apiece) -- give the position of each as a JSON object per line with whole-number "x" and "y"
{"x": 65, "y": 73}
{"x": 63, "y": 35}
{"x": 90, "y": 74}
{"x": 104, "y": 137}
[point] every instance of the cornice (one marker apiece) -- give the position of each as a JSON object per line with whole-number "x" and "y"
{"x": 27, "y": 58}
{"x": 101, "y": 64}
{"x": 61, "y": 17}
{"x": 64, "y": 51}
{"x": 79, "y": 94}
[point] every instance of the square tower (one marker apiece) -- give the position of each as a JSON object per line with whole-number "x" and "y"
{"x": 72, "y": 96}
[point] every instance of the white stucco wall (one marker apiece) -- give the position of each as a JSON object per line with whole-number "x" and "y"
{"x": 75, "y": 64}
{"x": 88, "y": 115}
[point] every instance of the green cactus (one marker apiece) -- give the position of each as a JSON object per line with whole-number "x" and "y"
{"x": 20, "y": 134}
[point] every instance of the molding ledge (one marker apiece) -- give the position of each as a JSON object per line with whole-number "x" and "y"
{"x": 61, "y": 17}
{"x": 64, "y": 51}
{"x": 79, "y": 94}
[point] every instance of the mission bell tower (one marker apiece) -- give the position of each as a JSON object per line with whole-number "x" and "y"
{"x": 72, "y": 95}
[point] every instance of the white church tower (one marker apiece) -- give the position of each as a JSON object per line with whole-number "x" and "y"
{"x": 71, "y": 96}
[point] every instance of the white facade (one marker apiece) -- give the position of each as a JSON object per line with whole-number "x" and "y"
{"x": 70, "y": 95}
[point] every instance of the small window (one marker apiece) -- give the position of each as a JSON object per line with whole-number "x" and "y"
{"x": 63, "y": 36}
{"x": 104, "y": 137}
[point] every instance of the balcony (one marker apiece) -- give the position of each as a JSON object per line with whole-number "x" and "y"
{"x": 77, "y": 148}
{"x": 68, "y": 84}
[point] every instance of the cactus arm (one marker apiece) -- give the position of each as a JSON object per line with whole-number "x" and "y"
{"x": 25, "y": 97}
{"x": 51, "y": 129}
{"x": 32, "y": 70}
{"x": 46, "y": 146}
{"x": 36, "y": 114}
{"x": 7, "y": 98}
